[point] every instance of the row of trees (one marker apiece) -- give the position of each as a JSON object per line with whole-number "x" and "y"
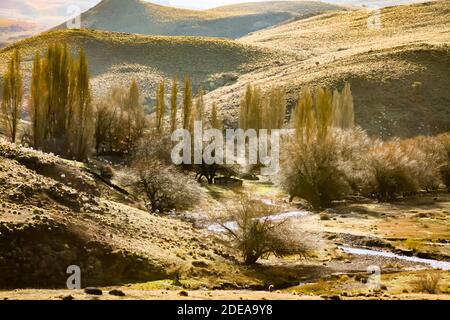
{"x": 60, "y": 105}
{"x": 262, "y": 111}
{"x": 193, "y": 109}
{"x": 328, "y": 158}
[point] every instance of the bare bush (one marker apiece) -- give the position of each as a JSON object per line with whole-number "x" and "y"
{"x": 120, "y": 121}
{"x": 164, "y": 187}
{"x": 257, "y": 236}
{"x": 312, "y": 172}
{"x": 394, "y": 171}
{"x": 427, "y": 152}
{"x": 428, "y": 283}
{"x": 320, "y": 163}
{"x": 325, "y": 171}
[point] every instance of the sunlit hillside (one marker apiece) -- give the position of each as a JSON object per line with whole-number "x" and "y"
{"x": 135, "y": 16}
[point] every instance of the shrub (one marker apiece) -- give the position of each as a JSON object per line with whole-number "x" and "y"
{"x": 427, "y": 153}
{"x": 120, "y": 120}
{"x": 314, "y": 172}
{"x": 256, "y": 236}
{"x": 428, "y": 283}
{"x": 393, "y": 172}
{"x": 319, "y": 164}
{"x": 164, "y": 187}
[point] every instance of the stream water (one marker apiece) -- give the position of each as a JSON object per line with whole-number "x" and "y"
{"x": 232, "y": 225}
{"x": 435, "y": 264}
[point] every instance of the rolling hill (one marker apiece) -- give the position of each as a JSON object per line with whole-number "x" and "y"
{"x": 117, "y": 58}
{"x": 385, "y": 65}
{"x": 400, "y": 72}
{"x": 12, "y": 30}
{"x": 234, "y": 21}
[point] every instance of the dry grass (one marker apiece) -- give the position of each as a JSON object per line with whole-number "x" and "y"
{"x": 381, "y": 65}
{"x": 428, "y": 283}
{"x": 117, "y": 58}
{"x": 230, "y": 21}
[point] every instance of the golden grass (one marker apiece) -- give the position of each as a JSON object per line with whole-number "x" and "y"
{"x": 381, "y": 65}
{"x": 117, "y": 58}
{"x": 230, "y": 22}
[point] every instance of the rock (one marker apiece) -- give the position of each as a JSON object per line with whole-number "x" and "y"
{"x": 67, "y": 298}
{"x": 200, "y": 264}
{"x": 331, "y": 297}
{"x": 116, "y": 292}
{"x": 183, "y": 293}
{"x": 93, "y": 291}
{"x": 383, "y": 287}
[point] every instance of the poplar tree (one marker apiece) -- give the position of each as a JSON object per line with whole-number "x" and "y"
{"x": 200, "y": 106}
{"x": 343, "y": 108}
{"x": 216, "y": 122}
{"x": 135, "y": 115}
{"x": 82, "y": 126}
{"x": 12, "y": 95}
{"x": 251, "y": 109}
{"x": 174, "y": 105}
{"x": 304, "y": 121}
{"x": 348, "y": 118}
{"x": 277, "y": 109}
{"x": 187, "y": 105}
{"x": 323, "y": 112}
{"x": 37, "y": 92}
{"x": 160, "y": 106}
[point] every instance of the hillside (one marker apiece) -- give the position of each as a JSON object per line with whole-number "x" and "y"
{"x": 117, "y": 58}
{"x": 136, "y": 16}
{"x": 55, "y": 213}
{"x": 411, "y": 49}
{"x": 12, "y": 30}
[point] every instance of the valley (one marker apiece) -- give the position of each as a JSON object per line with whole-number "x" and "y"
{"x": 87, "y": 177}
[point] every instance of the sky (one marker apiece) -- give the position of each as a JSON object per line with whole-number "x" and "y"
{"x": 47, "y": 13}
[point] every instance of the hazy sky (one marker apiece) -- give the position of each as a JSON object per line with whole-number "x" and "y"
{"x": 52, "y": 12}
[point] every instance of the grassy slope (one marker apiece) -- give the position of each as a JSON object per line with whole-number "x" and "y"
{"x": 116, "y": 58}
{"x": 53, "y": 213}
{"x": 381, "y": 65}
{"x": 135, "y": 16}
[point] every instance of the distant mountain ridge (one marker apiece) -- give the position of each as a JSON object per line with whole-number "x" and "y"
{"x": 233, "y": 21}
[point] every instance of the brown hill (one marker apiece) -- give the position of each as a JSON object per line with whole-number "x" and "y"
{"x": 136, "y": 16}
{"x": 117, "y": 58}
{"x": 399, "y": 72}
